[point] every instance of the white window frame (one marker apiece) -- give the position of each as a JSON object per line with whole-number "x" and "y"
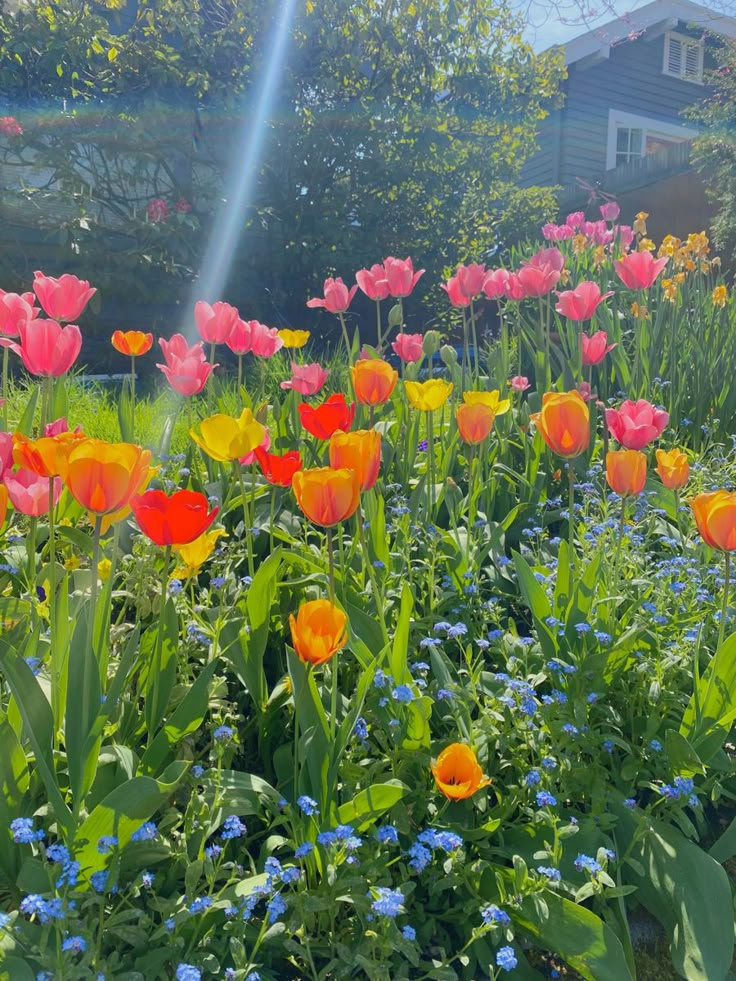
{"x": 648, "y": 126}
{"x": 684, "y": 39}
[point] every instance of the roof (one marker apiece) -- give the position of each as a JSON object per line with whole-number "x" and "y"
{"x": 653, "y": 18}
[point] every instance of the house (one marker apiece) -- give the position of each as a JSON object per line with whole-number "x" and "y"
{"x": 621, "y": 129}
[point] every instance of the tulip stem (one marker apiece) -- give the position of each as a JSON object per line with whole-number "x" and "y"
{"x": 571, "y": 515}
{"x": 345, "y": 335}
{"x": 377, "y": 598}
{"x": 55, "y": 649}
{"x": 379, "y": 338}
{"x": 472, "y": 475}
{"x": 132, "y": 393}
{"x": 31, "y": 553}
{"x": 331, "y": 564}
{"x": 724, "y": 607}
{"x": 91, "y": 616}
{"x": 475, "y": 343}
{"x": 271, "y": 511}
{"x": 5, "y": 388}
{"x": 465, "y": 348}
{"x": 156, "y": 669}
{"x": 246, "y": 523}
{"x": 430, "y": 462}
{"x": 240, "y": 374}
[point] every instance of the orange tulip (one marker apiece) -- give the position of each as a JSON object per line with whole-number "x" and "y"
{"x": 359, "y": 451}
{"x": 474, "y": 421}
{"x": 132, "y": 342}
{"x": 673, "y": 468}
{"x": 44, "y": 456}
{"x": 564, "y": 423}
{"x": 327, "y": 496}
{"x": 626, "y": 471}
{"x": 318, "y": 632}
{"x": 715, "y": 516}
{"x": 457, "y": 772}
{"x": 102, "y": 476}
{"x": 373, "y": 381}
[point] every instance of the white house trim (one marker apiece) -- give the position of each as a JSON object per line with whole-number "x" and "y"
{"x": 617, "y": 118}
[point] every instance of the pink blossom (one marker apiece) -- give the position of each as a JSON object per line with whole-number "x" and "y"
{"x": 585, "y": 391}
{"x": 639, "y": 270}
{"x": 14, "y": 310}
{"x": 373, "y": 282}
{"x": 582, "y": 302}
{"x": 575, "y": 219}
{"x": 63, "y": 298}
{"x": 470, "y": 279}
{"x": 29, "y": 493}
{"x": 537, "y": 280}
{"x": 547, "y": 257}
{"x": 307, "y": 379}
{"x": 557, "y": 233}
{"x": 157, "y": 210}
{"x": 239, "y": 339}
{"x": 595, "y": 347}
{"x": 6, "y": 452}
{"x": 514, "y": 287}
{"x": 264, "y": 341}
{"x": 409, "y": 347}
{"x": 59, "y": 425}
{"x": 186, "y": 368}
{"x": 9, "y": 126}
{"x": 610, "y": 211}
{"x": 182, "y": 206}
{"x": 250, "y": 458}
{"x": 494, "y": 285}
{"x": 46, "y": 348}
{"x": 453, "y": 290}
{"x": 636, "y": 424}
{"x": 337, "y": 296}
{"x": 215, "y": 321}
{"x": 520, "y": 383}
{"x": 400, "y": 276}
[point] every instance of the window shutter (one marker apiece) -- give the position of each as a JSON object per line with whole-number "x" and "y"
{"x": 674, "y": 57}
{"x": 693, "y": 63}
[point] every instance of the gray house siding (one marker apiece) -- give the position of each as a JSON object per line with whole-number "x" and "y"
{"x": 630, "y": 80}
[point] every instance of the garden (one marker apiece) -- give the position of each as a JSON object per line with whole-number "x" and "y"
{"x": 393, "y": 659}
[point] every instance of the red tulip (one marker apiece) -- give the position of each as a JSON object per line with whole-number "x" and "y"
{"x": 471, "y": 278}
{"x": 595, "y": 347}
{"x": 635, "y": 424}
{"x": 337, "y": 296}
{"x": 324, "y": 420}
{"x": 278, "y": 469}
{"x": 453, "y": 290}
{"x": 63, "y": 298}
{"x": 494, "y": 285}
{"x": 400, "y": 276}
{"x": 373, "y": 282}
{"x": 582, "y": 302}
{"x": 175, "y": 520}
{"x": 46, "y": 347}
{"x": 639, "y": 270}
{"x": 215, "y": 322}
{"x": 186, "y": 368}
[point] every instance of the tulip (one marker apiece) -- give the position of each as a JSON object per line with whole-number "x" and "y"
{"x": 264, "y": 341}
{"x": 400, "y": 276}
{"x": 29, "y": 493}
{"x": 582, "y": 302}
{"x": 47, "y": 455}
{"x": 6, "y": 452}
{"x": 103, "y": 476}
{"x": 514, "y": 287}
{"x": 63, "y": 298}
{"x": 46, "y": 348}
{"x": 409, "y": 347}
{"x": 175, "y": 520}
{"x": 226, "y": 439}
{"x": 278, "y": 470}
{"x": 471, "y": 278}
{"x": 293, "y": 338}
{"x": 59, "y": 426}
{"x": 337, "y": 296}
{"x": 610, "y": 211}
{"x": 215, "y": 321}
{"x": 595, "y": 347}
{"x": 455, "y": 293}
{"x": 14, "y": 311}
{"x": 318, "y": 632}
{"x": 307, "y": 379}
{"x": 538, "y": 280}
{"x": 359, "y": 451}
{"x": 373, "y": 282}
{"x": 325, "y": 419}
{"x": 327, "y": 496}
{"x": 194, "y": 555}
{"x": 239, "y": 340}
{"x": 457, "y": 773}
{"x": 250, "y": 458}
{"x": 374, "y": 380}
{"x": 715, "y": 516}
{"x": 132, "y": 343}
{"x": 520, "y": 383}
{"x": 186, "y": 367}
{"x": 564, "y": 423}
{"x": 575, "y": 219}
{"x": 673, "y": 468}
{"x": 635, "y": 424}
{"x": 626, "y": 471}
{"x": 429, "y": 395}
{"x": 474, "y": 422}
{"x": 546, "y": 257}
{"x": 492, "y": 400}
{"x": 639, "y": 270}
{"x": 494, "y": 285}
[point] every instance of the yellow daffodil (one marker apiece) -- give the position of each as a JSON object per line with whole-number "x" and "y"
{"x": 104, "y": 569}
{"x": 225, "y": 438}
{"x": 194, "y": 555}
{"x": 720, "y": 295}
{"x": 429, "y": 395}
{"x": 493, "y": 400}
{"x": 294, "y": 338}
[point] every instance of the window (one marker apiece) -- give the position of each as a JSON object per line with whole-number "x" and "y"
{"x": 683, "y": 57}
{"x": 632, "y": 137}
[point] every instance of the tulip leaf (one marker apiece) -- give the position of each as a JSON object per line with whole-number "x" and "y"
{"x": 82, "y": 709}
{"x": 368, "y": 805}
{"x": 25, "y": 425}
{"x": 162, "y": 669}
{"x": 126, "y": 411}
{"x": 399, "y": 650}
{"x": 712, "y": 706}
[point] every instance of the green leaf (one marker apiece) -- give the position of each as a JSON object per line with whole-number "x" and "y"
{"x": 532, "y": 591}
{"x": 712, "y": 706}
{"x": 126, "y": 411}
{"x": 161, "y": 670}
{"x": 369, "y": 804}
{"x": 314, "y": 747}
{"x": 685, "y": 889}
{"x": 82, "y": 708}
{"x": 399, "y": 650}
{"x": 680, "y": 754}
{"x": 15, "y": 969}
{"x": 725, "y": 848}
{"x": 25, "y": 425}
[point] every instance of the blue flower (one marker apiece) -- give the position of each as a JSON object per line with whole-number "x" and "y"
{"x": 303, "y": 850}
{"x": 106, "y": 844}
{"x": 403, "y": 693}
{"x": 99, "y": 880}
{"x": 213, "y": 851}
{"x": 655, "y": 745}
{"x": 532, "y": 778}
{"x": 77, "y": 945}
{"x": 419, "y": 857}
{"x": 197, "y": 771}
{"x": 307, "y": 805}
{"x": 494, "y": 916}
{"x": 276, "y": 907}
{"x": 232, "y": 827}
{"x": 388, "y": 902}
{"x": 223, "y": 734}
{"x": 388, "y": 835}
{"x": 545, "y": 799}
{"x": 146, "y": 832}
{"x": 187, "y": 972}
{"x": 201, "y": 904}
{"x": 147, "y": 879}
{"x": 408, "y": 933}
{"x": 443, "y": 694}
{"x": 58, "y": 853}
{"x": 24, "y": 832}
{"x": 552, "y": 874}
{"x": 588, "y": 864}
{"x": 361, "y": 728}
{"x": 506, "y": 958}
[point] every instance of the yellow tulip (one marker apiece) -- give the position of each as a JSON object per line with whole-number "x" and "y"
{"x": 225, "y": 438}
{"x": 493, "y": 400}
{"x": 429, "y": 395}
{"x": 294, "y": 338}
{"x": 195, "y": 554}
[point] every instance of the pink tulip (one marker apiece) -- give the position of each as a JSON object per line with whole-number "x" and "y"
{"x": 595, "y": 347}
{"x": 264, "y": 341}
{"x": 582, "y": 302}
{"x": 250, "y": 458}
{"x": 625, "y": 235}
{"x": 514, "y": 287}
{"x": 453, "y": 290}
{"x": 585, "y": 391}
{"x": 409, "y": 347}
{"x": 337, "y": 296}
{"x": 610, "y": 211}
{"x": 307, "y": 379}
{"x": 239, "y": 339}
{"x": 29, "y": 493}
{"x": 59, "y": 425}
{"x": 547, "y": 257}
{"x": 470, "y": 279}
{"x": 537, "y": 280}
{"x": 46, "y": 347}
{"x": 520, "y": 383}
{"x": 494, "y": 284}
{"x": 636, "y": 424}
{"x": 215, "y": 322}
{"x": 602, "y": 234}
{"x": 400, "y": 276}
{"x": 557, "y": 233}
{"x": 575, "y": 219}
{"x": 63, "y": 298}
{"x": 6, "y": 452}
{"x": 15, "y": 309}
{"x": 639, "y": 270}
{"x": 373, "y": 282}
{"x": 186, "y": 368}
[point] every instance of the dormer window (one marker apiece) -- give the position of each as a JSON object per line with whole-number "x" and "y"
{"x": 683, "y": 57}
